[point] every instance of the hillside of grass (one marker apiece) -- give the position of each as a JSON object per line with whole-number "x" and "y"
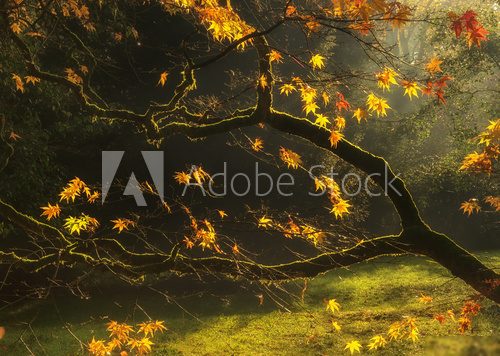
{"x": 228, "y": 318}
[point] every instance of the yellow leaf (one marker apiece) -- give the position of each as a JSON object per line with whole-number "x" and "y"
{"x": 82, "y": 223}
{"x": 340, "y": 208}
{"x": 292, "y": 159}
{"x": 319, "y": 184}
{"x": 333, "y": 306}
{"x": 287, "y": 89}
{"x": 265, "y": 222}
{"x": 377, "y": 104}
{"x": 257, "y": 144}
{"x": 182, "y": 177}
{"x": 360, "y": 114}
{"x": 321, "y": 120}
{"x": 310, "y": 107}
{"x": 376, "y": 342}
{"x": 411, "y": 88}
{"x": 222, "y": 213}
{"x": 307, "y": 93}
{"x": 263, "y": 81}
{"x": 336, "y": 325}
{"x": 353, "y": 346}
{"x": 339, "y": 123}
{"x": 200, "y": 175}
{"x": 326, "y": 98}
{"x": 317, "y": 61}
{"x": 386, "y": 78}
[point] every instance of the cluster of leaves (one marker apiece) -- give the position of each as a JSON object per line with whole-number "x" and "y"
{"x": 292, "y": 229}
{"x": 489, "y": 141}
{"x": 126, "y": 339}
{"x": 362, "y": 15}
{"x": 475, "y": 32}
{"x": 204, "y": 234}
{"x": 483, "y": 162}
{"x": 76, "y": 224}
{"x": 469, "y": 309}
{"x": 221, "y": 21}
{"x": 197, "y": 175}
{"x": 20, "y": 14}
{"x": 404, "y": 329}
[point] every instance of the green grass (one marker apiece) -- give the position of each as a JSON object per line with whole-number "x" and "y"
{"x": 372, "y": 296}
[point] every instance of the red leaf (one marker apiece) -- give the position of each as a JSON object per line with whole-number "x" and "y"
{"x": 476, "y": 36}
{"x": 469, "y": 18}
{"x": 440, "y": 96}
{"x": 341, "y": 103}
{"x": 441, "y": 82}
{"x": 457, "y": 27}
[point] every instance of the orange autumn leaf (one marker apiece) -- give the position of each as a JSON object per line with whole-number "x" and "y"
{"x": 494, "y": 202}
{"x": 386, "y": 78}
{"x": 275, "y": 56}
{"x": 425, "y": 299}
{"x": 470, "y": 206}
{"x": 16, "y": 28}
{"x": 14, "y": 136}
{"x": 72, "y": 76}
{"x": 290, "y": 10}
{"x": 31, "y": 79}
{"x": 292, "y": 159}
{"x": 122, "y": 224}
{"x": 182, "y": 177}
{"x": 335, "y": 137}
{"x": 163, "y": 79}
{"x": 51, "y": 211}
{"x": 441, "y": 318}
{"x": 434, "y": 65}
{"x": 263, "y": 83}
{"x": 257, "y": 144}
{"x": 19, "y": 82}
